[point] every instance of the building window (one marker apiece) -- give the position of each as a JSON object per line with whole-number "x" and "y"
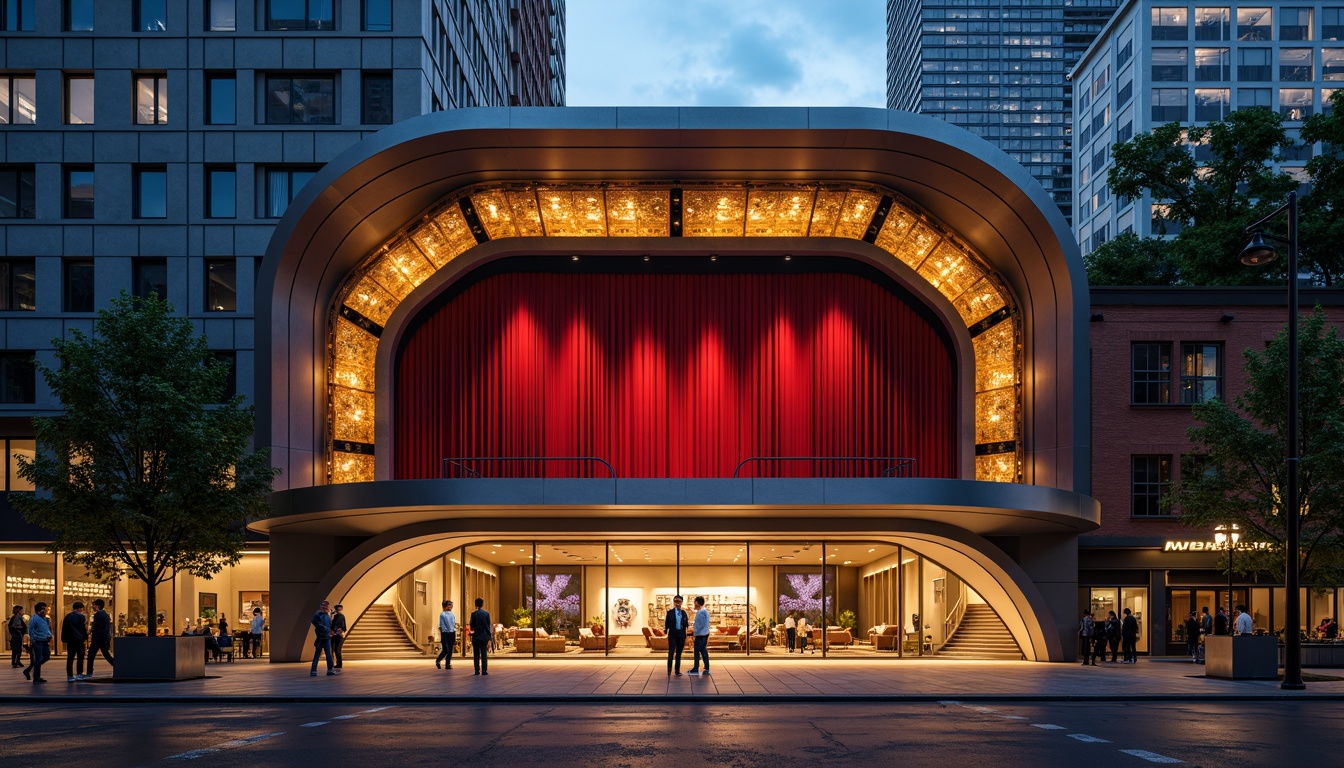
{"x": 221, "y": 196}
{"x": 1295, "y": 104}
{"x": 151, "y": 99}
{"x": 1213, "y": 24}
{"x": 79, "y": 192}
{"x": 1253, "y": 24}
{"x": 151, "y": 193}
{"x": 1171, "y": 24}
{"x": 1332, "y": 68}
{"x": 1295, "y": 65}
{"x": 1123, "y": 95}
{"x": 1294, "y": 24}
{"x": 1150, "y": 373}
{"x": 151, "y": 15}
{"x": 1201, "y": 372}
{"x": 377, "y": 15}
{"x": 150, "y": 276}
{"x": 1169, "y": 105}
{"x": 284, "y": 15}
{"x": 221, "y": 99}
{"x": 18, "y": 377}
{"x": 282, "y": 185}
{"x": 16, "y": 448}
{"x": 377, "y": 98}
{"x": 221, "y": 285}
{"x": 1150, "y": 480}
{"x": 78, "y": 285}
{"x": 1332, "y": 24}
{"x": 223, "y": 16}
{"x": 1126, "y": 53}
{"x": 18, "y": 100}
{"x": 1213, "y": 65}
{"x": 17, "y": 192}
{"x": 1254, "y": 64}
{"x": 79, "y": 99}
{"x": 78, "y": 15}
{"x": 1254, "y": 97}
{"x": 1212, "y": 103}
{"x": 19, "y": 15}
{"x": 300, "y": 99}
{"x": 229, "y": 358}
{"x": 1171, "y": 65}
{"x": 18, "y": 285}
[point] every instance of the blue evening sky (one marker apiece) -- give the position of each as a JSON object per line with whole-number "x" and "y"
{"x": 726, "y": 53}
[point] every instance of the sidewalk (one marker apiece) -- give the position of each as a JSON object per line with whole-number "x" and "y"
{"x": 630, "y": 680}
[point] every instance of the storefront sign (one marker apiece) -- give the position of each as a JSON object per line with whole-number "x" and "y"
{"x": 1210, "y": 546}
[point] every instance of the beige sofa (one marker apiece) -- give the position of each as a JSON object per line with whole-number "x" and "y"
{"x": 589, "y": 641}
{"x": 525, "y": 638}
{"x": 656, "y": 639}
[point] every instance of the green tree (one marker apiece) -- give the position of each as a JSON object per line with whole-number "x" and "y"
{"x": 1321, "y": 232}
{"x": 1129, "y": 260}
{"x": 146, "y": 471}
{"x": 1243, "y": 448}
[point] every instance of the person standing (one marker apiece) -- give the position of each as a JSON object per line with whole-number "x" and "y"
{"x": 701, "y": 630}
{"x": 447, "y": 635}
{"x": 675, "y": 626}
{"x": 39, "y": 636}
{"x": 18, "y": 627}
{"x": 74, "y": 635}
{"x": 1086, "y": 629}
{"x": 338, "y": 630}
{"x": 804, "y": 635}
{"x": 1220, "y": 623}
{"x": 1112, "y": 636}
{"x": 1129, "y": 635}
{"x": 1245, "y": 626}
{"x": 481, "y": 632}
{"x": 790, "y": 630}
{"x": 1192, "y": 637}
{"x": 254, "y": 632}
{"x": 1205, "y": 621}
{"x": 322, "y": 642}
{"x": 100, "y": 636}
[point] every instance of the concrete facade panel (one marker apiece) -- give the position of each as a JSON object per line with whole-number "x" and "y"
{"x": 218, "y": 240}
{"x": 298, "y": 147}
{"x": 162, "y": 53}
{"x": 219, "y": 53}
{"x": 78, "y": 53}
{"x": 376, "y": 53}
{"x": 164, "y": 240}
{"x": 163, "y": 146}
{"x": 259, "y": 146}
{"x": 335, "y": 53}
{"x": 115, "y": 53}
{"x": 110, "y": 147}
{"x": 34, "y": 240}
{"x": 115, "y": 240}
{"x": 258, "y": 53}
{"x": 78, "y": 147}
{"x": 33, "y": 147}
{"x": 328, "y": 144}
{"x": 78, "y": 241}
{"x": 298, "y": 53}
{"x": 218, "y": 147}
{"x": 27, "y": 53}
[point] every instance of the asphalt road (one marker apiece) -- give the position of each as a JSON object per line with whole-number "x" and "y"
{"x": 968, "y": 735}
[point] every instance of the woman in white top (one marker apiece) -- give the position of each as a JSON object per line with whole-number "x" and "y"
{"x": 804, "y": 635}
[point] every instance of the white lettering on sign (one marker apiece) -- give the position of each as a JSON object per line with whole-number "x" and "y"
{"x": 1210, "y": 546}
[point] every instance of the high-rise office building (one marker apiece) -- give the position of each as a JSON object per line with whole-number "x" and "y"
{"x": 997, "y": 68}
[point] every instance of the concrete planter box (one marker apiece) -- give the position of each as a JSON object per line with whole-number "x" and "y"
{"x": 159, "y": 658}
{"x": 1243, "y": 657}
{"x": 1320, "y": 655}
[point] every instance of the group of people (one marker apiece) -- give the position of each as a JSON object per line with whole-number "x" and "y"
{"x": 1199, "y": 627}
{"x": 479, "y": 628}
{"x": 77, "y": 634}
{"x": 675, "y": 625}
{"x": 797, "y": 634}
{"x": 329, "y": 629}
{"x": 1120, "y": 635}
{"x": 1328, "y": 629}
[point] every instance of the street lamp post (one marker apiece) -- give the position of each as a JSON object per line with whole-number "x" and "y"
{"x": 1256, "y": 253}
{"x": 1230, "y": 534}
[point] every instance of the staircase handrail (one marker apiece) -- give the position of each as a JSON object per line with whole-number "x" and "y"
{"x": 406, "y": 621}
{"x": 954, "y": 617}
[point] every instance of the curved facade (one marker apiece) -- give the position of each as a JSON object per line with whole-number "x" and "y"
{"x": 389, "y": 238}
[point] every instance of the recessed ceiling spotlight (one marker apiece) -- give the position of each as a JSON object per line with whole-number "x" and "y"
{"x": 647, "y": 257}
{"x": 713, "y": 257}
{"x": 574, "y": 257}
{"x": 788, "y": 257}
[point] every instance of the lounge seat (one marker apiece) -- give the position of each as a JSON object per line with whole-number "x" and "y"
{"x": 545, "y": 643}
{"x": 886, "y": 639}
{"x": 656, "y": 639}
{"x": 838, "y": 636}
{"x": 592, "y": 642}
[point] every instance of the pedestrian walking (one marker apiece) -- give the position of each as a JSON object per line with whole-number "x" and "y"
{"x": 39, "y": 637}
{"x": 254, "y": 633}
{"x": 1086, "y": 629}
{"x": 1129, "y": 636}
{"x": 447, "y": 635}
{"x": 700, "y": 629}
{"x": 1112, "y": 636}
{"x": 18, "y": 627}
{"x": 482, "y": 630}
{"x": 804, "y": 636}
{"x": 75, "y": 636}
{"x": 338, "y": 630}
{"x": 1192, "y": 637}
{"x": 675, "y": 625}
{"x": 1245, "y": 626}
{"x": 322, "y": 631}
{"x": 790, "y": 630}
{"x": 100, "y": 636}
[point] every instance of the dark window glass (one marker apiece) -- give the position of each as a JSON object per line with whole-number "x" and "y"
{"x": 1150, "y": 480}
{"x": 282, "y": 184}
{"x": 229, "y": 358}
{"x": 1150, "y": 373}
{"x": 1254, "y": 97}
{"x": 1201, "y": 373}
{"x": 78, "y": 15}
{"x": 79, "y": 193}
{"x": 300, "y": 100}
{"x": 17, "y": 193}
{"x": 223, "y": 16}
{"x": 1332, "y": 23}
{"x": 221, "y": 99}
{"x": 221, "y": 193}
{"x": 284, "y": 15}
{"x": 1124, "y": 94}
{"x": 18, "y": 285}
{"x": 18, "y": 377}
{"x": 1213, "y": 64}
{"x": 377, "y": 99}
{"x": 151, "y": 99}
{"x": 151, "y": 193}
{"x": 151, "y": 15}
{"x": 1212, "y": 103}
{"x": 78, "y": 285}
{"x": 1295, "y": 65}
{"x": 1294, "y": 23}
{"x": 19, "y": 15}
{"x": 221, "y": 285}
{"x": 1170, "y": 65}
{"x": 1171, "y": 24}
{"x": 18, "y": 100}
{"x": 1169, "y": 104}
{"x": 1254, "y": 64}
{"x": 1213, "y": 24}
{"x": 1126, "y": 53}
{"x": 378, "y": 15}
{"x": 151, "y": 276}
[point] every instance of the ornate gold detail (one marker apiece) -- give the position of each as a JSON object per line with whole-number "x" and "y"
{"x": 949, "y": 269}
{"x": 352, "y": 415}
{"x": 713, "y": 212}
{"x": 354, "y": 357}
{"x": 995, "y": 357}
{"x": 996, "y": 415}
{"x": 351, "y": 468}
{"x": 860, "y": 205}
{"x": 978, "y": 302}
{"x": 997, "y": 468}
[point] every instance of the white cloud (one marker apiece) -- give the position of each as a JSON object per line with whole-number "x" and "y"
{"x": 726, "y": 53}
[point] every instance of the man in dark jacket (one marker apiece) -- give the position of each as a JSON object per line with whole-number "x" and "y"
{"x": 482, "y": 630}
{"x": 322, "y": 637}
{"x": 1129, "y": 637}
{"x": 1192, "y": 636}
{"x": 338, "y": 630}
{"x": 675, "y": 625}
{"x": 100, "y": 636}
{"x": 74, "y": 634}
{"x": 18, "y": 627}
{"x": 1220, "y": 625}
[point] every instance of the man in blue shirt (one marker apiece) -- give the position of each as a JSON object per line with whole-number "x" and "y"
{"x": 322, "y": 633}
{"x": 701, "y": 630}
{"x": 39, "y": 635}
{"x": 447, "y": 634}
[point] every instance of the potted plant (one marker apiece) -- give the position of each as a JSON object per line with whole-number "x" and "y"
{"x": 521, "y": 617}
{"x": 599, "y": 623}
{"x": 846, "y": 620}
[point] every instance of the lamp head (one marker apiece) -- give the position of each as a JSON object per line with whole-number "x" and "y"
{"x": 1258, "y": 252}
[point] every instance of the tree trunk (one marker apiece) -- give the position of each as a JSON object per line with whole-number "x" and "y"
{"x": 151, "y": 599}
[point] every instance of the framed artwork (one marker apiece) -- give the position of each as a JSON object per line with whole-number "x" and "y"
{"x": 626, "y": 609}
{"x": 209, "y": 605}
{"x": 939, "y": 591}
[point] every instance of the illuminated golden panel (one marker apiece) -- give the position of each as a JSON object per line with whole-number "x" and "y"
{"x": 714, "y": 212}
{"x": 996, "y": 468}
{"x": 894, "y": 229}
{"x": 526, "y": 215}
{"x": 995, "y": 357}
{"x": 917, "y": 245}
{"x": 352, "y": 415}
{"x": 653, "y": 209}
{"x": 496, "y": 215}
{"x": 353, "y": 353}
{"x": 370, "y": 300}
{"x": 410, "y": 262}
{"x": 572, "y": 212}
{"x": 950, "y": 270}
{"x": 996, "y": 415}
{"x": 623, "y": 212}
{"x": 454, "y": 228}
{"x": 778, "y": 212}
{"x": 351, "y": 468}
{"x": 825, "y": 213}
{"x": 435, "y": 245}
{"x": 978, "y": 302}
{"x": 857, "y": 213}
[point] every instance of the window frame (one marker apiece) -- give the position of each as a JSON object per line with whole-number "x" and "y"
{"x": 20, "y": 361}
{"x": 140, "y": 277}
{"x": 272, "y": 79}
{"x": 159, "y": 98}
{"x": 310, "y": 24}
{"x": 71, "y": 204}
{"x": 365, "y": 79}
{"x": 17, "y": 193}
{"x": 364, "y": 16}
{"x": 70, "y": 290}
{"x": 268, "y": 200}
{"x": 10, "y": 295}
{"x": 18, "y": 16}
{"x": 210, "y": 16}
{"x": 1150, "y": 377}
{"x": 139, "y": 10}
{"x": 1148, "y": 491}
{"x": 9, "y": 78}
{"x": 68, "y": 15}
{"x": 211, "y": 197}
{"x": 227, "y": 265}
{"x": 139, "y": 177}
{"x": 211, "y": 100}
{"x": 67, "y": 116}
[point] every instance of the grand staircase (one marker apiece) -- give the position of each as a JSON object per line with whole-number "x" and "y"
{"x": 982, "y": 635}
{"x": 377, "y": 635}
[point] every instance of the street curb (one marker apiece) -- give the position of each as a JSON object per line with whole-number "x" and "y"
{"x": 639, "y": 698}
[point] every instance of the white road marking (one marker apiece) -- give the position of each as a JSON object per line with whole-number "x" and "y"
{"x": 1048, "y": 727}
{"x": 984, "y": 709}
{"x": 1012, "y": 717}
{"x": 1088, "y": 739}
{"x": 314, "y": 725}
{"x": 195, "y": 753}
{"x": 1151, "y": 757}
{"x": 377, "y": 709}
{"x": 345, "y": 717}
{"x": 950, "y": 703}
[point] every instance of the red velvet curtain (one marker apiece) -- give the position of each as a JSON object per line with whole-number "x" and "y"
{"x": 674, "y": 376}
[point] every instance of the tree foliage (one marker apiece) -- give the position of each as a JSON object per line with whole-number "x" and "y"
{"x": 1242, "y": 478}
{"x": 1321, "y": 231}
{"x": 1131, "y": 260}
{"x": 146, "y": 471}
